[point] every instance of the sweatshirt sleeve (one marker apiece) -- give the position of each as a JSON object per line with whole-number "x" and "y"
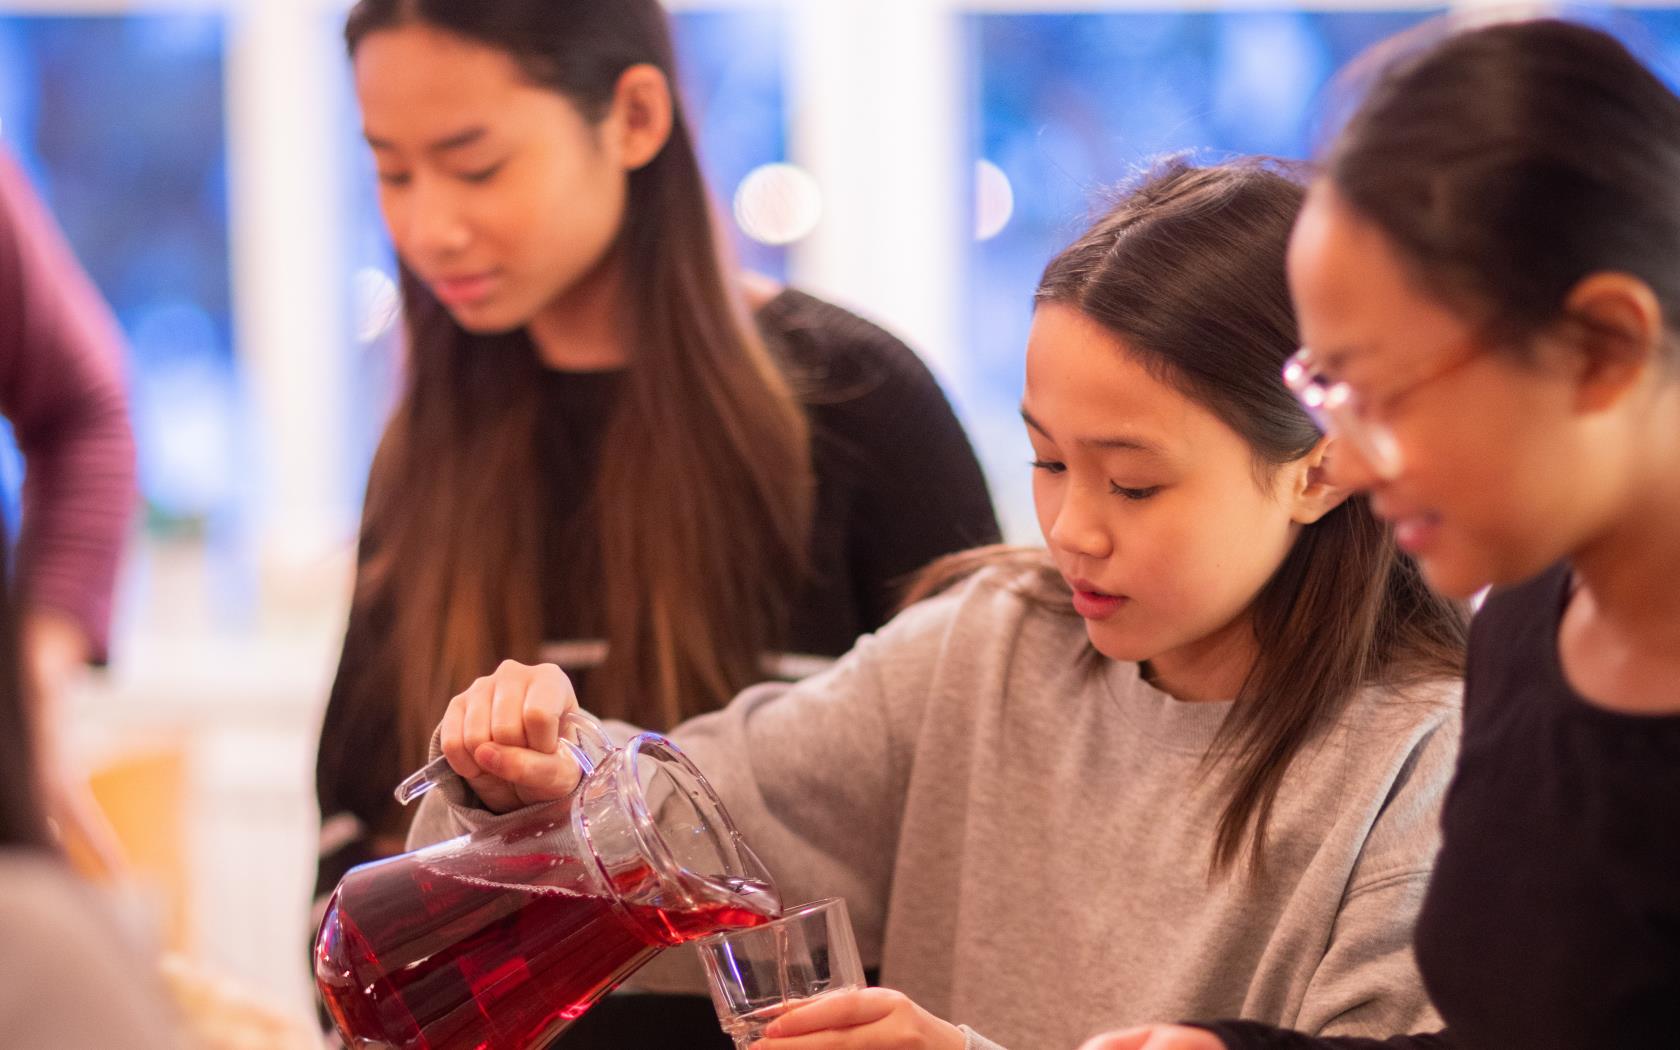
{"x": 1368, "y": 982}
{"x": 813, "y": 774}
{"x": 61, "y": 387}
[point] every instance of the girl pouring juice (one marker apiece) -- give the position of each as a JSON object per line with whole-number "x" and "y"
{"x": 1215, "y": 715}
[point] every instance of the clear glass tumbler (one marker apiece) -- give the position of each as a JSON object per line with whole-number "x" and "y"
{"x": 758, "y": 974}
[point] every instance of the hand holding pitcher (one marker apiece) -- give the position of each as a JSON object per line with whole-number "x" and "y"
{"x": 503, "y": 734}
{"x": 500, "y": 939}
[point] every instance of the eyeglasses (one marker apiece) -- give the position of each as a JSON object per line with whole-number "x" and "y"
{"x": 1335, "y": 408}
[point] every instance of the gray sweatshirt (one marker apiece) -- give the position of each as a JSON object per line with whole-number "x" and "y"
{"x": 1021, "y": 829}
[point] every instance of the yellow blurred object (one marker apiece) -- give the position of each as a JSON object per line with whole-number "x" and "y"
{"x": 135, "y": 802}
{"x": 84, "y": 832}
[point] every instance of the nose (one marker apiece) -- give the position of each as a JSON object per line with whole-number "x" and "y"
{"x": 1079, "y": 528}
{"x": 434, "y": 225}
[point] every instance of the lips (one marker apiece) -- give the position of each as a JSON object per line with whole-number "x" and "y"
{"x": 464, "y": 289}
{"x": 1414, "y": 531}
{"x": 1093, "y": 604}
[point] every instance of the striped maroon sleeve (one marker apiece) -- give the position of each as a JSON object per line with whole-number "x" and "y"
{"x": 61, "y": 386}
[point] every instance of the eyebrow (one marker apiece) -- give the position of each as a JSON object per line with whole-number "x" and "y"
{"x": 1122, "y": 442}
{"x": 459, "y": 140}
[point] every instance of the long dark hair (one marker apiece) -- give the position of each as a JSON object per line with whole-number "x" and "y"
{"x": 702, "y": 503}
{"x": 1188, "y": 269}
{"x": 1508, "y": 162}
{"x": 21, "y": 823}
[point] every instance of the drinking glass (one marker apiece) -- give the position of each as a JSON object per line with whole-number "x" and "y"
{"x": 759, "y": 974}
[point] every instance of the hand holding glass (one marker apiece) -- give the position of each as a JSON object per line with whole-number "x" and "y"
{"x": 759, "y": 974}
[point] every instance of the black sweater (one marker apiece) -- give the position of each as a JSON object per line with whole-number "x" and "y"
{"x": 1553, "y": 918}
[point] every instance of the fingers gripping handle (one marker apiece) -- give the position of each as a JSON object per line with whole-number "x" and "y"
{"x": 590, "y": 745}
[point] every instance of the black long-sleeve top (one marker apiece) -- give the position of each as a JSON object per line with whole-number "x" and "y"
{"x": 1553, "y": 918}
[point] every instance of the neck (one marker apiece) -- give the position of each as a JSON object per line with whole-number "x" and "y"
{"x": 1210, "y": 669}
{"x": 1629, "y": 567}
{"x": 582, "y": 329}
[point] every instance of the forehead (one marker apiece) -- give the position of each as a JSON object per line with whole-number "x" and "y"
{"x": 1084, "y": 383}
{"x": 414, "y": 75}
{"x": 1339, "y": 265}
{"x": 1354, "y": 296}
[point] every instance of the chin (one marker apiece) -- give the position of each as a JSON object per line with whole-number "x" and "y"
{"x": 487, "y": 320}
{"x": 1460, "y": 575}
{"x": 1118, "y": 646}
{"x": 477, "y": 327}
{"x": 1453, "y": 578}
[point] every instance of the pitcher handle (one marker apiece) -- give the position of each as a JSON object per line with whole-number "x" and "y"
{"x": 588, "y": 730}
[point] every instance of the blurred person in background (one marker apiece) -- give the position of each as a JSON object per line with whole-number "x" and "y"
{"x": 77, "y": 977}
{"x": 611, "y": 452}
{"x": 62, "y": 390}
{"x": 1488, "y": 276}
{"x": 72, "y": 981}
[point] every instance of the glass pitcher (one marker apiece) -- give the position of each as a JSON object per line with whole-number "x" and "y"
{"x": 499, "y": 940}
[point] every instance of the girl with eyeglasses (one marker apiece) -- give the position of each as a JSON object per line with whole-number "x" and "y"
{"x": 1488, "y": 279}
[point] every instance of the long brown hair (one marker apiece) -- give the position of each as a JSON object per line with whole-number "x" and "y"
{"x": 1188, "y": 269}
{"x": 702, "y": 501}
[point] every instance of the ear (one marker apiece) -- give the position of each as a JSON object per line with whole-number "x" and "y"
{"x": 641, "y": 115}
{"x": 1311, "y": 493}
{"x": 1620, "y": 336}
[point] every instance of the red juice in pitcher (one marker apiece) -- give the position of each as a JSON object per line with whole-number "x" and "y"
{"x": 503, "y": 959}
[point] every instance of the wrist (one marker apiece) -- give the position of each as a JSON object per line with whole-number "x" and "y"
{"x": 54, "y": 648}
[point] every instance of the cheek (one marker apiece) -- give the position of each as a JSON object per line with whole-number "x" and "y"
{"x": 1474, "y": 470}
{"x": 594, "y": 192}
{"x": 1473, "y": 450}
{"x": 518, "y": 213}
{"x": 1169, "y": 562}
{"x": 1445, "y": 448}
{"x": 1046, "y": 502}
{"x": 1219, "y": 558}
{"x": 581, "y": 223}
{"x": 393, "y": 210}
